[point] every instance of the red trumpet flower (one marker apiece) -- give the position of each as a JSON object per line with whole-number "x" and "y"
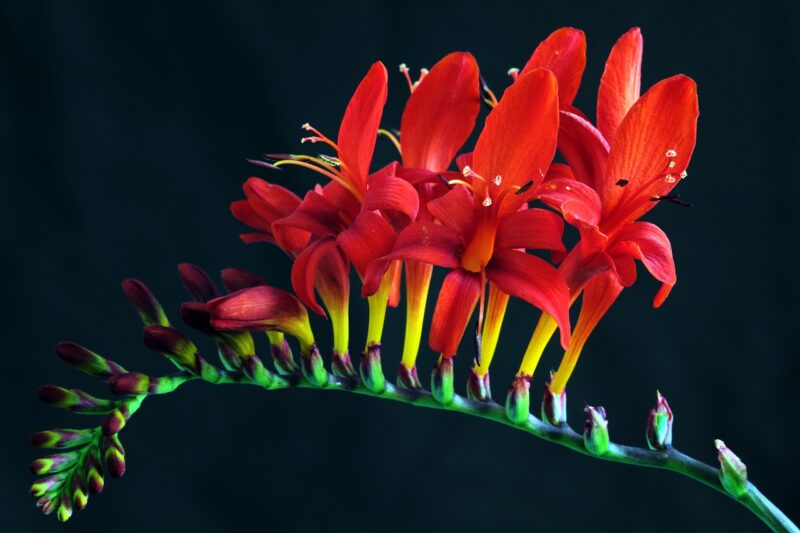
{"x": 481, "y": 228}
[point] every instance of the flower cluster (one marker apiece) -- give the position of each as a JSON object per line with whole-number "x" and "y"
{"x": 508, "y": 197}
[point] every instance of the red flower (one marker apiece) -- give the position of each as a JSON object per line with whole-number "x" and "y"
{"x": 481, "y": 227}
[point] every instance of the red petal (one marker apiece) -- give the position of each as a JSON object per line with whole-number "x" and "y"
{"x": 621, "y": 82}
{"x": 337, "y": 195}
{"x": 425, "y": 242}
{"x": 579, "y": 204}
{"x": 648, "y": 243}
{"x": 304, "y": 272}
{"x": 370, "y": 236}
{"x": 440, "y": 113}
{"x": 534, "y": 229}
{"x": 660, "y": 122}
{"x": 519, "y": 138}
{"x": 563, "y": 53}
{"x": 535, "y": 281}
{"x": 272, "y": 202}
{"x": 390, "y": 193}
{"x": 359, "y": 129}
{"x": 394, "y": 290}
{"x": 457, "y": 298}
{"x": 244, "y": 212}
{"x": 584, "y": 148}
{"x": 316, "y": 215}
{"x": 456, "y": 210}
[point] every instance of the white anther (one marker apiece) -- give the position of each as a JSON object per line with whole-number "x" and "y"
{"x": 669, "y": 178}
{"x": 466, "y": 170}
{"x": 498, "y": 179}
{"x": 684, "y": 174}
{"x": 486, "y": 202}
{"x": 672, "y": 164}
{"x": 671, "y": 153}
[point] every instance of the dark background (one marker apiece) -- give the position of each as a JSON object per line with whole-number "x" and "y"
{"x": 124, "y": 132}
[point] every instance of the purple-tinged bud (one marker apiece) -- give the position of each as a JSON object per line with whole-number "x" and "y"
{"x": 197, "y": 316}
{"x": 229, "y": 358}
{"x": 255, "y": 370}
{"x": 478, "y": 386}
{"x": 46, "y": 484}
{"x": 64, "y": 507}
{"x": 518, "y": 400}
{"x": 371, "y": 370}
{"x": 171, "y": 343}
{"x": 595, "y": 431}
{"x": 312, "y": 366}
{"x": 554, "y": 406}
{"x": 114, "y": 456}
{"x": 281, "y": 353}
{"x": 407, "y": 378}
{"x": 732, "y": 472}
{"x": 113, "y": 422}
{"x": 80, "y": 497}
{"x": 208, "y": 371}
{"x": 235, "y": 279}
{"x": 142, "y": 299}
{"x": 442, "y": 381}
{"x": 132, "y": 383}
{"x": 94, "y": 471}
{"x": 53, "y": 463}
{"x": 342, "y": 366}
{"x": 197, "y": 282}
{"x": 48, "y": 503}
{"x": 73, "y": 399}
{"x": 88, "y": 361}
{"x": 61, "y": 438}
{"x": 659, "y": 425}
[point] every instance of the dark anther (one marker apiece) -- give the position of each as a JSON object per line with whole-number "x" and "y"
{"x": 622, "y": 182}
{"x": 278, "y": 157}
{"x": 264, "y": 164}
{"x": 672, "y": 198}
{"x": 524, "y": 188}
{"x": 330, "y": 160}
{"x": 444, "y": 180}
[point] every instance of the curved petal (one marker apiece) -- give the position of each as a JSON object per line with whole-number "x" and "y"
{"x": 305, "y": 269}
{"x": 585, "y": 261}
{"x": 648, "y": 243}
{"x": 651, "y": 149}
{"x": 621, "y": 82}
{"x": 584, "y": 148}
{"x": 534, "y": 229}
{"x": 369, "y": 237}
{"x": 535, "y": 281}
{"x": 518, "y": 140}
{"x": 244, "y": 212}
{"x": 390, "y": 193}
{"x": 563, "y": 53}
{"x": 456, "y": 210}
{"x": 457, "y": 298}
{"x": 316, "y": 215}
{"x": 359, "y": 129}
{"x": 236, "y": 279}
{"x": 425, "y": 242}
{"x": 440, "y": 113}
{"x": 578, "y": 203}
{"x": 272, "y": 202}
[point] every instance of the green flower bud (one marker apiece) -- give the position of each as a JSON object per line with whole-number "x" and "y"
{"x": 732, "y": 472}
{"x": 312, "y": 366}
{"x": 518, "y": 400}
{"x": 442, "y": 381}
{"x": 595, "y": 431}
{"x": 659, "y": 425}
{"x": 371, "y": 370}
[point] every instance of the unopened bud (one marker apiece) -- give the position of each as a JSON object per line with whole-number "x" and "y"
{"x": 518, "y": 400}
{"x": 46, "y": 484}
{"x": 53, "y": 463}
{"x": 659, "y": 425}
{"x": 407, "y": 378}
{"x": 197, "y": 283}
{"x": 236, "y": 279}
{"x": 595, "y": 431}
{"x": 64, "y": 507}
{"x": 61, "y": 438}
{"x": 342, "y": 366}
{"x": 281, "y": 353}
{"x": 554, "y": 406}
{"x": 732, "y": 472}
{"x": 478, "y": 386}
{"x": 80, "y": 497}
{"x": 171, "y": 343}
{"x": 87, "y": 361}
{"x": 257, "y": 372}
{"x": 114, "y": 456}
{"x": 371, "y": 370}
{"x": 313, "y": 367}
{"x": 132, "y": 383}
{"x": 94, "y": 471}
{"x": 73, "y": 399}
{"x": 442, "y": 381}
{"x": 197, "y": 315}
{"x": 142, "y": 299}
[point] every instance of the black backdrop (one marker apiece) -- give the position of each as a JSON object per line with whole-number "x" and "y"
{"x": 124, "y": 133}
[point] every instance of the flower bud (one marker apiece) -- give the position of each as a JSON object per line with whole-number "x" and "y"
{"x": 61, "y": 438}
{"x": 371, "y": 370}
{"x": 53, "y": 463}
{"x": 80, "y": 497}
{"x": 171, "y": 343}
{"x": 73, "y": 399}
{"x": 312, "y": 366}
{"x": 197, "y": 282}
{"x": 235, "y": 279}
{"x": 257, "y": 372}
{"x": 478, "y": 387}
{"x": 142, "y": 299}
{"x": 518, "y": 400}
{"x": 197, "y": 316}
{"x": 554, "y": 406}
{"x": 46, "y": 484}
{"x": 114, "y": 456}
{"x": 48, "y": 503}
{"x": 114, "y": 421}
{"x": 659, "y": 425}
{"x": 342, "y": 366}
{"x": 442, "y": 381}
{"x": 64, "y": 507}
{"x": 595, "y": 431}
{"x": 407, "y": 378}
{"x": 132, "y": 383}
{"x": 281, "y": 353}
{"x": 87, "y": 361}
{"x": 732, "y": 472}
{"x": 94, "y": 471}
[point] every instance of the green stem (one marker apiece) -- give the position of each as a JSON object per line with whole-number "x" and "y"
{"x": 669, "y": 459}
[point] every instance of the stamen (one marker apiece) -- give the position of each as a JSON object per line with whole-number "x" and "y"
{"x": 487, "y": 202}
{"x": 514, "y": 73}
{"x": 317, "y": 137}
{"x": 684, "y": 174}
{"x": 444, "y": 180}
{"x": 622, "y": 182}
{"x": 671, "y": 153}
{"x": 498, "y": 180}
{"x": 468, "y": 172}
{"x": 671, "y": 164}
{"x": 328, "y": 160}
{"x": 672, "y": 198}
{"x": 264, "y": 164}
{"x": 524, "y": 188}
{"x": 669, "y": 178}
{"x": 489, "y": 98}
{"x": 462, "y": 182}
{"x": 392, "y": 137}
